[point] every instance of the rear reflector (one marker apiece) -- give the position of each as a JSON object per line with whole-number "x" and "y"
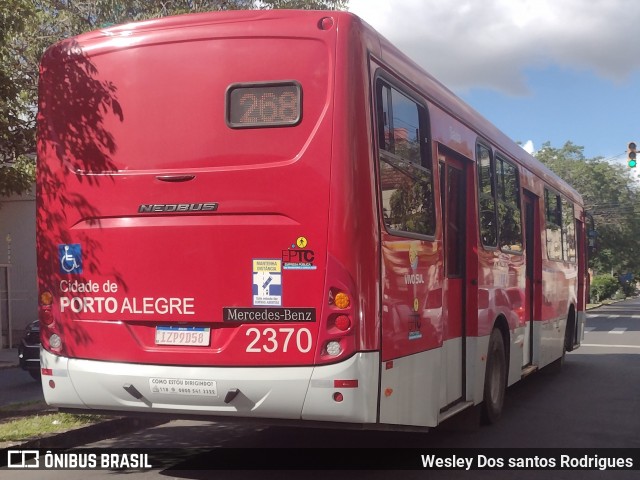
{"x": 345, "y": 384}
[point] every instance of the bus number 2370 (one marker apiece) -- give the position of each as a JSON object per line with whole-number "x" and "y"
{"x": 271, "y": 340}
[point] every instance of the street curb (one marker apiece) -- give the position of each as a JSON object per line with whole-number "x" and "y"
{"x": 91, "y": 433}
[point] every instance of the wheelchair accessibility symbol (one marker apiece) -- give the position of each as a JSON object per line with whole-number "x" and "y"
{"x": 70, "y": 258}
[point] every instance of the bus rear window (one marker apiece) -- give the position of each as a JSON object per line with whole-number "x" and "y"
{"x": 264, "y": 105}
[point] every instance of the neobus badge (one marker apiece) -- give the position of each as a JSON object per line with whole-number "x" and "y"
{"x": 177, "y": 207}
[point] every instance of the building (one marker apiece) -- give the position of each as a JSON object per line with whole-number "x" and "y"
{"x": 18, "y": 283}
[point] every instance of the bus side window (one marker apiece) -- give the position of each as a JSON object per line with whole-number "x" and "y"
{"x": 554, "y": 224}
{"x": 486, "y": 197}
{"x": 568, "y": 232}
{"x": 509, "y": 216}
{"x": 406, "y": 181}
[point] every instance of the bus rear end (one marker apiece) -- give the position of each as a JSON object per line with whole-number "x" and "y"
{"x": 184, "y": 223}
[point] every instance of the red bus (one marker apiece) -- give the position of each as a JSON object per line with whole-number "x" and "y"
{"x": 278, "y": 215}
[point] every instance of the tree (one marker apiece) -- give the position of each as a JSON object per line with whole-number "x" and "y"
{"x": 611, "y": 195}
{"x": 17, "y": 124}
{"x": 27, "y": 27}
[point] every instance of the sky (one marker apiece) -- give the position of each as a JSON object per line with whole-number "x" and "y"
{"x": 540, "y": 70}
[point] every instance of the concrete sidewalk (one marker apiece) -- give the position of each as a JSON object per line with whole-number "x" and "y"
{"x": 105, "y": 427}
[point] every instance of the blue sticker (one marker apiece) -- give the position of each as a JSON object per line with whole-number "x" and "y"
{"x": 70, "y": 258}
{"x": 267, "y": 282}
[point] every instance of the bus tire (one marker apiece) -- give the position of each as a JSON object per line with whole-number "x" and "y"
{"x": 570, "y": 332}
{"x": 495, "y": 379}
{"x": 567, "y": 345}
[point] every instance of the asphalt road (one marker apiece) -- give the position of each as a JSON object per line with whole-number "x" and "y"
{"x": 17, "y": 386}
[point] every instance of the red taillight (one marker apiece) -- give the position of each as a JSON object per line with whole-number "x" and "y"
{"x": 342, "y": 322}
{"x": 46, "y": 316}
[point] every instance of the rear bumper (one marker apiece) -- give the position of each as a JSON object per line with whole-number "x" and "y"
{"x": 302, "y": 393}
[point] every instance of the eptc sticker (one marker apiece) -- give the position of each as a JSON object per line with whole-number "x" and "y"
{"x": 298, "y": 258}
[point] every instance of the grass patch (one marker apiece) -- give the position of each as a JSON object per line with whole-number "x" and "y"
{"x": 37, "y": 426}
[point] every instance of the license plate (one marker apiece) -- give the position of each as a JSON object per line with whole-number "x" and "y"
{"x": 195, "y": 336}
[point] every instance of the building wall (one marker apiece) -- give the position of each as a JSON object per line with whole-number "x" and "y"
{"x": 18, "y": 251}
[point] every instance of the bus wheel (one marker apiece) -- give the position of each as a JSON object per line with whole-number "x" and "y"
{"x": 495, "y": 379}
{"x": 557, "y": 365}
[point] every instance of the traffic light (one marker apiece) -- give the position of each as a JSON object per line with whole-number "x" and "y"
{"x": 631, "y": 155}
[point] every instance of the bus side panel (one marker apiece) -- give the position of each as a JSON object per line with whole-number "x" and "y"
{"x": 410, "y": 387}
{"x": 559, "y": 293}
{"x": 353, "y": 234}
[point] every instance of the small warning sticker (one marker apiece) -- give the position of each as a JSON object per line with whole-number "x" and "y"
{"x": 267, "y": 282}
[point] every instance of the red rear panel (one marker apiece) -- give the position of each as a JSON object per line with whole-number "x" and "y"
{"x": 176, "y": 227}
